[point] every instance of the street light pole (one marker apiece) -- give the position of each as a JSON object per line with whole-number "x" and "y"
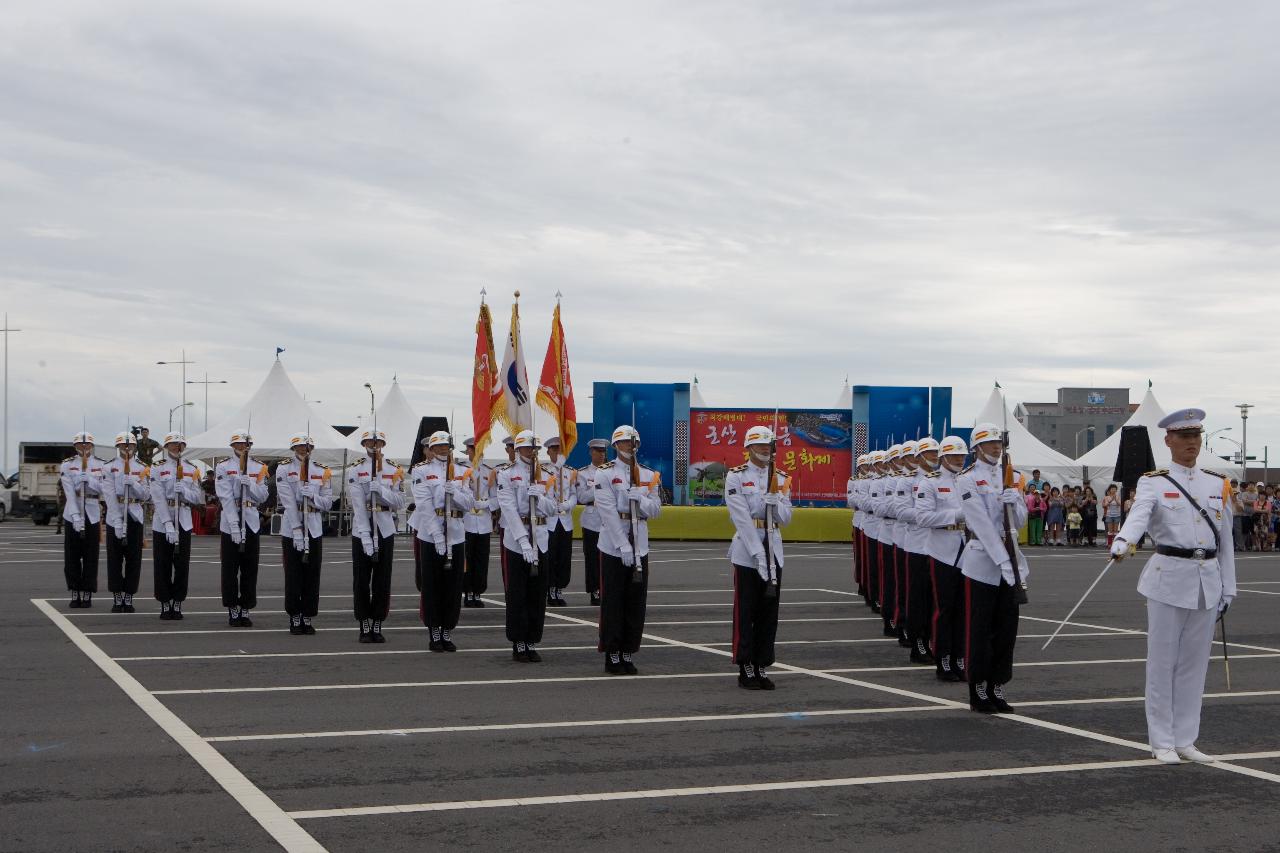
{"x": 1208, "y": 439}
{"x": 184, "y": 364}
{"x": 5, "y": 470}
{"x": 1244, "y": 440}
{"x": 1078, "y": 434}
{"x": 206, "y": 382}
{"x": 182, "y": 406}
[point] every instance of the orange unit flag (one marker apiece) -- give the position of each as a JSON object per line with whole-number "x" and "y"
{"x": 486, "y": 389}
{"x": 555, "y": 388}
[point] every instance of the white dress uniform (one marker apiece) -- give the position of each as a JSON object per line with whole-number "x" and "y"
{"x": 303, "y": 502}
{"x": 441, "y": 507}
{"x": 991, "y": 606}
{"x": 373, "y": 560}
{"x": 240, "y": 527}
{"x": 755, "y": 611}
{"x": 1186, "y": 582}
{"x": 624, "y": 569}
{"x": 125, "y": 493}
{"x": 563, "y": 490}
{"x": 589, "y": 521}
{"x": 939, "y": 515}
{"x": 479, "y": 527}
{"x": 851, "y": 500}
{"x": 175, "y": 490}
{"x": 524, "y": 572}
{"x": 883, "y": 505}
{"x": 873, "y": 526}
{"x": 81, "y": 483}
{"x": 919, "y": 591}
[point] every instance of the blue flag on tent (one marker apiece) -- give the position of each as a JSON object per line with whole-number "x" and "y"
{"x": 278, "y": 351}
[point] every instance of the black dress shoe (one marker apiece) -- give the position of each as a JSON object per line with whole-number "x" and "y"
{"x": 244, "y": 621}
{"x": 766, "y": 683}
{"x": 629, "y": 668}
{"x": 948, "y": 675}
{"x": 748, "y": 682}
{"x": 127, "y": 607}
{"x": 87, "y": 601}
{"x": 165, "y": 613}
{"x": 175, "y": 611}
{"x": 998, "y": 701}
{"x": 377, "y": 637}
{"x": 448, "y": 646}
{"x": 903, "y": 641}
{"x": 532, "y": 656}
{"x": 296, "y": 630}
{"x": 436, "y": 646}
{"x": 366, "y": 637}
{"x": 117, "y": 608}
{"x": 308, "y": 629}
{"x": 611, "y": 667}
{"x": 979, "y": 700}
{"x": 75, "y": 601}
{"x": 875, "y": 608}
{"x": 595, "y": 599}
{"x": 890, "y": 631}
{"x": 476, "y": 602}
{"x": 519, "y": 656}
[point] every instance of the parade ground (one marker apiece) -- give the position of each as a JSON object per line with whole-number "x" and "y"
{"x": 123, "y": 732}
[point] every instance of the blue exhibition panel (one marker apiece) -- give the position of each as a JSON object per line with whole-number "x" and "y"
{"x": 660, "y": 411}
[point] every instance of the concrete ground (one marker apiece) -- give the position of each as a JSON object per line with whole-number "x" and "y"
{"x": 123, "y": 732}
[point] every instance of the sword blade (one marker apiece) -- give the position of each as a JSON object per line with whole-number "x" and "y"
{"x": 1064, "y": 622}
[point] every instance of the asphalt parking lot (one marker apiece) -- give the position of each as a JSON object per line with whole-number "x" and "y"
{"x": 124, "y": 732}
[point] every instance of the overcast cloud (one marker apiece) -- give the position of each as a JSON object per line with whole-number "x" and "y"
{"x": 768, "y": 195}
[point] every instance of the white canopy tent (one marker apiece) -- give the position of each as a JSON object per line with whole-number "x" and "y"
{"x": 275, "y": 412}
{"x": 398, "y": 420}
{"x": 845, "y": 400}
{"x": 1028, "y": 452}
{"x": 695, "y": 396}
{"x": 1101, "y": 461}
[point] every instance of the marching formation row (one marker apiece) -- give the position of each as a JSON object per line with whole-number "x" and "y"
{"x": 455, "y": 508}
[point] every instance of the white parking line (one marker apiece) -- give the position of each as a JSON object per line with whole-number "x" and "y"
{"x": 283, "y": 828}
{"x": 712, "y": 790}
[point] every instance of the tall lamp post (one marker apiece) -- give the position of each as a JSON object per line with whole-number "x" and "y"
{"x": 1244, "y": 440}
{"x": 1208, "y": 439}
{"x": 1088, "y": 429}
{"x": 206, "y": 382}
{"x": 5, "y": 470}
{"x": 183, "y": 361}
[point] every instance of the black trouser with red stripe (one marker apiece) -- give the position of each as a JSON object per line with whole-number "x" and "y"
{"x": 525, "y": 595}
{"x": 476, "y": 579}
{"x": 591, "y": 559}
{"x": 992, "y": 616}
{"x": 857, "y": 561}
{"x": 371, "y": 578}
{"x": 301, "y": 576}
{"x": 559, "y": 557}
{"x": 900, "y": 579}
{"x": 441, "y": 598}
{"x": 171, "y": 565}
{"x": 239, "y": 571}
{"x": 888, "y": 583}
{"x": 948, "y": 629}
{"x": 124, "y": 559}
{"x": 622, "y": 604}
{"x": 80, "y": 557}
{"x": 755, "y": 617}
{"x": 919, "y": 597}
{"x": 871, "y": 555}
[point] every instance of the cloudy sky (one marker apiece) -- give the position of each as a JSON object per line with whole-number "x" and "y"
{"x": 770, "y": 196}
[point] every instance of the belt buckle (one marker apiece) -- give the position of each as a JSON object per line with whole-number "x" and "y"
{"x": 1197, "y": 554}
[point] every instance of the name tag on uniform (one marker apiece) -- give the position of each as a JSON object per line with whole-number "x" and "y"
{"x": 943, "y": 489}
{"x": 1172, "y": 495}
{"x": 983, "y": 483}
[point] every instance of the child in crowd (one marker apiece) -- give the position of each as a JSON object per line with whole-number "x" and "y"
{"x": 1074, "y": 523}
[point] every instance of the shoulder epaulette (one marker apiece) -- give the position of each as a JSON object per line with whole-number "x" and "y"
{"x": 1159, "y": 472}
{"x": 932, "y": 474}
{"x": 419, "y": 464}
{"x": 360, "y": 461}
{"x": 784, "y": 475}
{"x": 1214, "y": 473}
{"x": 967, "y": 468}
{"x": 69, "y": 459}
{"x": 740, "y": 468}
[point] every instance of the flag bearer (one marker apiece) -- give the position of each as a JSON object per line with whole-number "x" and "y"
{"x": 479, "y": 527}
{"x": 563, "y": 489}
{"x": 521, "y": 488}
{"x": 305, "y": 492}
{"x": 441, "y": 499}
{"x": 590, "y": 518}
{"x": 919, "y": 585}
{"x": 241, "y": 486}
{"x": 938, "y": 513}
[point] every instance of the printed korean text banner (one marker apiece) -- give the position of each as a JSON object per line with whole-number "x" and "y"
{"x": 815, "y": 446}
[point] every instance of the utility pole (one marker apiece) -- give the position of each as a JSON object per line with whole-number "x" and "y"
{"x": 184, "y": 364}
{"x": 1244, "y": 440}
{"x": 206, "y": 382}
{"x": 5, "y": 470}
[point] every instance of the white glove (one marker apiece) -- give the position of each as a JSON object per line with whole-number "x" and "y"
{"x": 366, "y": 542}
{"x": 1119, "y": 549}
{"x": 538, "y": 490}
{"x": 122, "y": 532}
{"x": 1006, "y": 566}
{"x": 530, "y": 553}
{"x": 171, "y": 532}
{"x": 235, "y": 536}
{"x": 636, "y": 493}
{"x": 762, "y": 566}
{"x": 453, "y": 488}
{"x": 299, "y": 542}
{"x": 441, "y": 548}
{"x": 627, "y": 555}
{"x": 77, "y": 523}
{"x": 772, "y": 498}
{"x": 565, "y": 506}
{"x": 1225, "y": 602}
{"x": 1011, "y": 497}
{"x": 81, "y": 477}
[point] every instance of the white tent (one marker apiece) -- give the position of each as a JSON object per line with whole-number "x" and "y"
{"x": 398, "y": 420}
{"x": 1028, "y": 452}
{"x": 1101, "y": 461}
{"x": 845, "y": 401}
{"x": 695, "y": 396}
{"x": 275, "y": 412}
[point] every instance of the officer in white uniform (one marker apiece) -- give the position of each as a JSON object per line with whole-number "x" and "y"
{"x": 901, "y": 511}
{"x": 125, "y": 493}
{"x": 563, "y": 489}
{"x": 441, "y": 503}
{"x": 590, "y": 518}
{"x": 884, "y": 510}
{"x": 754, "y": 508}
{"x": 919, "y": 580}
{"x": 240, "y": 483}
{"x": 871, "y": 528}
{"x": 375, "y": 488}
{"x": 81, "y": 480}
{"x": 175, "y": 490}
{"x": 939, "y": 515}
{"x": 991, "y": 603}
{"x": 479, "y": 527}
{"x": 305, "y": 492}
{"x": 624, "y": 509}
{"x": 852, "y": 496}
{"x": 1189, "y": 580}
{"x": 522, "y": 487}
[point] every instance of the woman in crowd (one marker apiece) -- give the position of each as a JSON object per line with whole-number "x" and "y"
{"x": 1111, "y": 512}
{"x": 1055, "y": 517}
{"x": 1089, "y": 517}
{"x": 1035, "y": 518}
